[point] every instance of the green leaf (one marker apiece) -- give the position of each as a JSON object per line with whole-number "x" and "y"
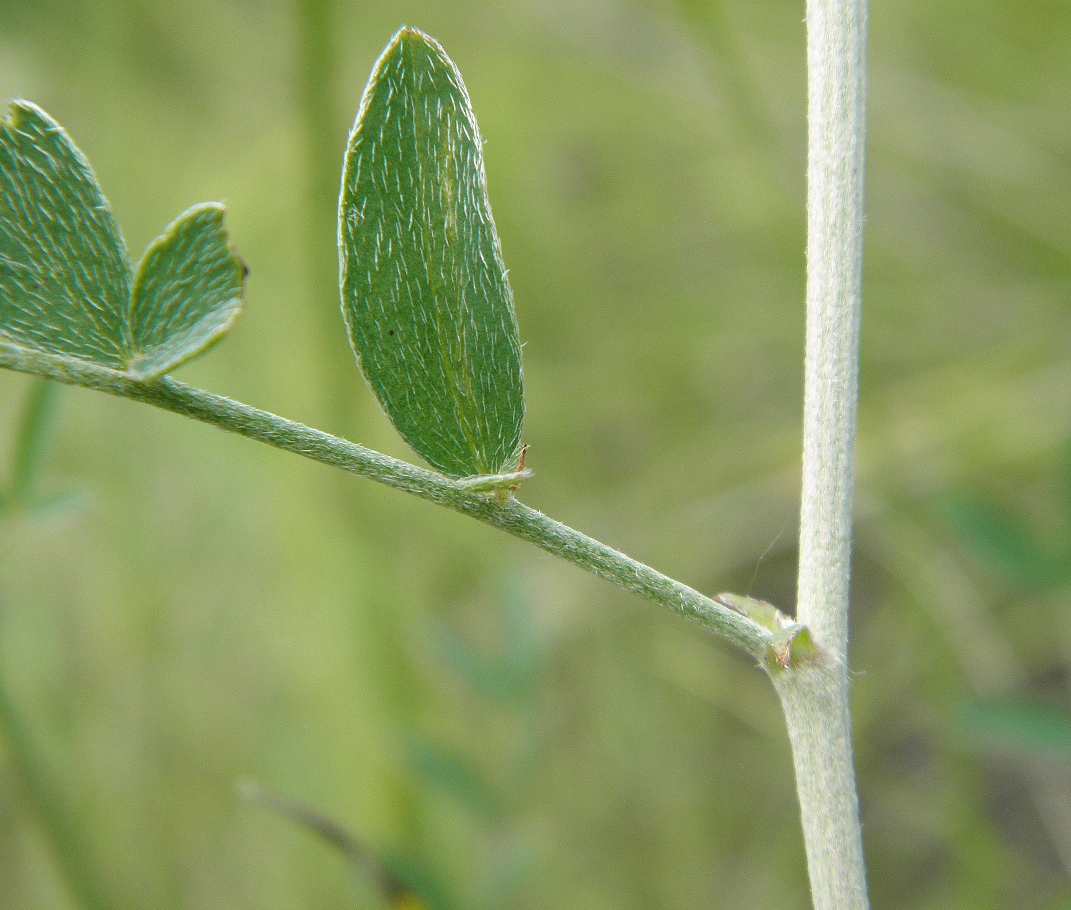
{"x": 424, "y": 289}
{"x": 64, "y": 270}
{"x": 66, "y": 287}
{"x": 187, "y": 293}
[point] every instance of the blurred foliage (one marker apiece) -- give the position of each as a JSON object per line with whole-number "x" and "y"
{"x": 216, "y": 610}
{"x": 1019, "y": 720}
{"x": 35, "y": 427}
{"x": 1025, "y": 726}
{"x": 1025, "y": 556}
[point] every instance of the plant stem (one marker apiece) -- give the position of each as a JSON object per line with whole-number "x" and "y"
{"x": 504, "y": 513}
{"x": 815, "y": 696}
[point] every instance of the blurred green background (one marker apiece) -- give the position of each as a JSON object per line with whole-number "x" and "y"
{"x": 508, "y": 731}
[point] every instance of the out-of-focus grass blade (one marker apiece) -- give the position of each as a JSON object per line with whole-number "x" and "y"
{"x": 57, "y": 504}
{"x": 424, "y": 290}
{"x": 508, "y": 677}
{"x": 35, "y": 757}
{"x": 396, "y": 894}
{"x": 1065, "y": 484}
{"x": 38, "y": 420}
{"x": 1003, "y": 543}
{"x": 439, "y": 768}
{"x": 525, "y": 651}
{"x": 1020, "y": 725}
{"x": 306, "y": 817}
{"x": 423, "y": 890}
{"x": 514, "y": 862}
{"x": 482, "y": 673}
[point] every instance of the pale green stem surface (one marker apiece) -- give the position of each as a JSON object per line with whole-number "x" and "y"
{"x": 506, "y": 513}
{"x": 815, "y": 697}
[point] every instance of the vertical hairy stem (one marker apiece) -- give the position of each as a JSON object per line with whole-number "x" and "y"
{"x": 815, "y": 695}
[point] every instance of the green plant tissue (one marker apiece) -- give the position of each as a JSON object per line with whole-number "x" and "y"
{"x": 424, "y": 289}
